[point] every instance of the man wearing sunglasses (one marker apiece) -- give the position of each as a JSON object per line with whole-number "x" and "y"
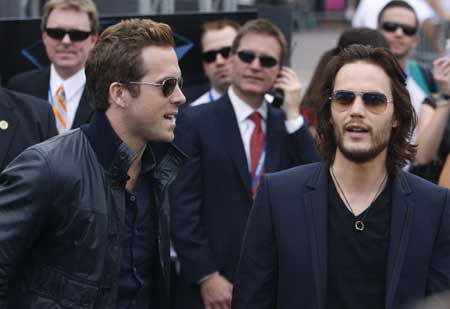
{"x": 216, "y": 39}
{"x": 69, "y": 32}
{"x": 231, "y": 143}
{"x": 353, "y": 231}
{"x": 85, "y": 216}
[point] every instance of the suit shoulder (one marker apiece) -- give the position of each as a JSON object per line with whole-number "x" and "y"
{"x": 422, "y": 187}
{"x": 25, "y": 77}
{"x": 25, "y": 101}
{"x": 298, "y": 174}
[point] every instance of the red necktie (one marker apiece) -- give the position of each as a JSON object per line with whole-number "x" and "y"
{"x": 256, "y": 145}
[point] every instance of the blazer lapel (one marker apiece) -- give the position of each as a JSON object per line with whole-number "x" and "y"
{"x": 274, "y": 130}
{"x": 84, "y": 111}
{"x": 231, "y": 137}
{"x": 316, "y": 210}
{"x": 8, "y": 125}
{"x": 401, "y": 218}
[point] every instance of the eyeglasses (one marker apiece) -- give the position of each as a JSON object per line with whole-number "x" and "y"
{"x": 168, "y": 85}
{"x": 390, "y": 26}
{"x": 375, "y": 102}
{"x": 211, "y": 55}
{"x": 74, "y": 35}
{"x": 265, "y": 60}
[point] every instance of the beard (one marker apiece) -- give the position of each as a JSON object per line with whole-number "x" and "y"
{"x": 380, "y": 142}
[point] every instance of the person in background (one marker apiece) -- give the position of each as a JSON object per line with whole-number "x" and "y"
{"x": 69, "y": 32}
{"x": 216, "y": 39}
{"x": 231, "y": 143}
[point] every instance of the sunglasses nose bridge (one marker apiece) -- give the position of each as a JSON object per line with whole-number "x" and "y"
{"x": 66, "y": 38}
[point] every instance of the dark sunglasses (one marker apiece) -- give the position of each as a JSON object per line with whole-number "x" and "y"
{"x": 265, "y": 61}
{"x": 374, "y": 101}
{"x": 74, "y": 35}
{"x": 211, "y": 55}
{"x": 390, "y": 26}
{"x": 168, "y": 85}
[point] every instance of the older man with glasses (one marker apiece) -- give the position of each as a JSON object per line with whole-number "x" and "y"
{"x": 230, "y": 144}
{"x": 69, "y": 32}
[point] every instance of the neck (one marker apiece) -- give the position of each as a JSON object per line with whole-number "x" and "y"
{"x": 359, "y": 178}
{"x": 403, "y": 62}
{"x": 220, "y": 89}
{"x": 66, "y": 73}
{"x": 252, "y": 99}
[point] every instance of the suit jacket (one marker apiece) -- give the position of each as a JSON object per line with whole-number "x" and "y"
{"x": 284, "y": 257}
{"x": 24, "y": 121}
{"x": 36, "y": 83}
{"x": 212, "y": 195}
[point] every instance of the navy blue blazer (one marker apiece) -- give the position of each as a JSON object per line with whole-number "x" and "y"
{"x": 284, "y": 255}
{"x": 25, "y": 120}
{"x": 212, "y": 197}
{"x": 36, "y": 83}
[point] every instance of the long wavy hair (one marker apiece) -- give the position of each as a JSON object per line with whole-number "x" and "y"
{"x": 400, "y": 150}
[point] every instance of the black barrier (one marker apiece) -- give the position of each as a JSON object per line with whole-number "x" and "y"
{"x": 23, "y": 49}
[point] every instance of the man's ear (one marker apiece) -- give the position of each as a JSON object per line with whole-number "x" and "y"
{"x": 117, "y": 93}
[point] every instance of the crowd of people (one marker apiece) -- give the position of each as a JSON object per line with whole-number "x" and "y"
{"x": 117, "y": 193}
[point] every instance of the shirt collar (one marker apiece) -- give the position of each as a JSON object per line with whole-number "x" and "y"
{"x": 242, "y": 109}
{"x": 71, "y": 85}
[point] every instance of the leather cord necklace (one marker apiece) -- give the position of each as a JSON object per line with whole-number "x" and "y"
{"x": 359, "y": 224}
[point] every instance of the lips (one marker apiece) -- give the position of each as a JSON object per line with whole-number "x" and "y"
{"x": 171, "y": 116}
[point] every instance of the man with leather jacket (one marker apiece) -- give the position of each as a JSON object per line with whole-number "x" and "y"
{"x": 84, "y": 217}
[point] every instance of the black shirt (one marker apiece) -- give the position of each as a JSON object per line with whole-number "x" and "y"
{"x": 357, "y": 259}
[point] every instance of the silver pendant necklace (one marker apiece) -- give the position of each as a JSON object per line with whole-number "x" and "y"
{"x": 359, "y": 224}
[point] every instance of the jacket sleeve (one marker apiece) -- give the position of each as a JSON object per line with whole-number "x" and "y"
{"x": 188, "y": 231}
{"x": 439, "y": 271}
{"x": 256, "y": 276}
{"x": 24, "y": 201}
{"x": 302, "y": 147}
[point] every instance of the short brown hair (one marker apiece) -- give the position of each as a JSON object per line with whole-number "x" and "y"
{"x": 400, "y": 150}
{"x": 117, "y": 56}
{"x": 261, "y": 26}
{"x": 86, "y": 6}
{"x": 217, "y": 24}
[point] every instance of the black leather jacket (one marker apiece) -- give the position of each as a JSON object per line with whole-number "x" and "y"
{"x": 62, "y": 203}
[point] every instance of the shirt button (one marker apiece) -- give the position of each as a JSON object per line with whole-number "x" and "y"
{"x": 132, "y": 198}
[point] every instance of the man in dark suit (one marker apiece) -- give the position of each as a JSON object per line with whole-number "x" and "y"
{"x": 24, "y": 121}
{"x": 355, "y": 231}
{"x": 69, "y": 32}
{"x": 231, "y": 143}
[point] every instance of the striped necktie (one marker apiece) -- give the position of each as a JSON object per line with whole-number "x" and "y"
{"x": 60, "y": 109}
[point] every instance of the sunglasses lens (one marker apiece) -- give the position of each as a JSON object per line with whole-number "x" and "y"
{"x": 209, "y": 56}
{"x": 76, "y": 35}
{"x": 169, "y": 85}
{"x": 375, "y": 101}
{"x": 246, "y": 56}
{"x": 57, "y": 34}
{"x": 389, "y": 26}
{"x": 343, "y": 99}
{"x": 267, "y": 61}
{"x": 409, "y": 30}
{"x": 225, "y": 52}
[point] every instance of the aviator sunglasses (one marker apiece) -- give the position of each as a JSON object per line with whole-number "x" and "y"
{"x": 375, "y": 102}
{"x": 210, "y": 55}
{"x": 74, "y": 35}
{"x": 391, "y": 26}
{"x": 265, "y": 60}
{"x": 168, "y": 85}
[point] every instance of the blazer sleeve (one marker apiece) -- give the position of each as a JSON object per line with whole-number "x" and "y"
{"x": 24, "y": 204}
{"x": 302, "y": 147}
{"x": 188, "y": 231}
{"x": 256, "y": 276}
{"x": 439, "y": 271}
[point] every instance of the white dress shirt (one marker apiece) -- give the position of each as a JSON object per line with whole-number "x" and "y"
{"x": 73, "y": 89}
{"x": 209, "y": 96}
{"x": 246, "y": 125}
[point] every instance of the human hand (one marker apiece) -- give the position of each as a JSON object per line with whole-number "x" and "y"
{"x": 216, "y": 292}
{"x": 442, "y": 73}
{"x": 289, "y": 82}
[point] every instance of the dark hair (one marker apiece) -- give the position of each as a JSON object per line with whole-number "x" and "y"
{"x": 397, "y": 4}
{"x": 364, "y": 36}
{"x": 400, "y": 150}
{"x": 218, "y": 24}
{"x": 117, "y": 56}
{"x": 261, "y": 26}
